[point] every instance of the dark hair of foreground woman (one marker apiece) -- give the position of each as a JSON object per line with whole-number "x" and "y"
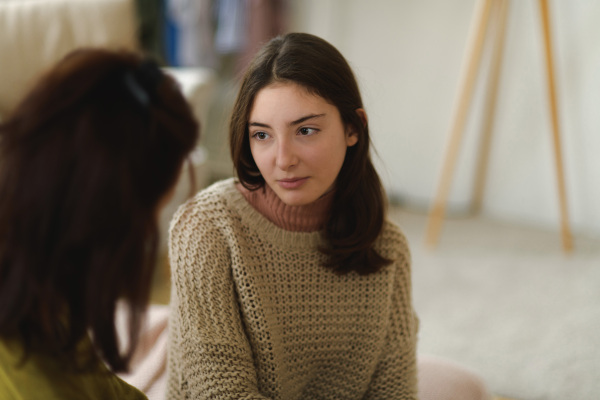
{"x": 86, "y": 160}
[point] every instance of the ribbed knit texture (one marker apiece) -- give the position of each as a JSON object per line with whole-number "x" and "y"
{"x": 255, "y": 315}
{"x": 306, "y": 218}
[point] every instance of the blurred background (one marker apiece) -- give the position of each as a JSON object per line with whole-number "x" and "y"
{"x": 408, "y": 56}
{"x": 498, "y": 294}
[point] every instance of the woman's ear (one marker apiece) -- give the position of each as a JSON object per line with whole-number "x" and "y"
{"x": 352, "y": 135}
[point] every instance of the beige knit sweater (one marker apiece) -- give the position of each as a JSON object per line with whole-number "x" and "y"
{"x": 254, "y": 315}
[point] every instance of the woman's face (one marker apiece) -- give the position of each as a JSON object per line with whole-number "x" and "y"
{"x": 298, "y": 142}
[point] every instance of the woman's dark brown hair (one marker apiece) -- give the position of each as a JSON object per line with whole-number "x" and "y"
{"x": 85, "y": 160}
{"x": 357, "y": 217}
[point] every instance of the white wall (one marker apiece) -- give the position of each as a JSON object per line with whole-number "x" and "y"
{"x": 407, "y": 55}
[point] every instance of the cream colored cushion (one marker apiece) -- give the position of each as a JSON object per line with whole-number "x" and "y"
{"x": 36, "y": 33}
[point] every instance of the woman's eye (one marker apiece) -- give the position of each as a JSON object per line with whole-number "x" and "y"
{"x": 307, "y": 131}
{"x": 260, "y": 135}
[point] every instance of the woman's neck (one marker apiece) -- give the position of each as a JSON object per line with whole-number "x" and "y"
{"x": 307, "y": 218}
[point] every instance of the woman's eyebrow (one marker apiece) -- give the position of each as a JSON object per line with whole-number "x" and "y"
{"x": 259, "y": 124}
{"x": 295, "y": 122}
{"x": 306, "y": 118}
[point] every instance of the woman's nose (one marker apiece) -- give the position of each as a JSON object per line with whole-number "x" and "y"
{"x": 286, "y": 155}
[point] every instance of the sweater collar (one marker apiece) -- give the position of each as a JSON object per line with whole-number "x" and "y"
{"x": 308, "y": 218}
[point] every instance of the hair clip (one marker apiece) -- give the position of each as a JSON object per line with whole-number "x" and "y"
{"x": 149, "y": 74}
{"x": 143, "y": 81}
{"x": 136, "y": 90}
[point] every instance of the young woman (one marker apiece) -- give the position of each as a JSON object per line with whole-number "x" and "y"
{"x": 87, "y": 159}
{"x": 288, "y": 282}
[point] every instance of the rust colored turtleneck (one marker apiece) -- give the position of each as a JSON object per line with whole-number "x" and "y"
{"x": 308, "y": 218}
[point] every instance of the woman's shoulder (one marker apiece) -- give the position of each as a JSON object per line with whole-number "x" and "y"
{"x": 392, "y": 242}
{"x": 214, "y": 196}
{"x": 210, "y": 204}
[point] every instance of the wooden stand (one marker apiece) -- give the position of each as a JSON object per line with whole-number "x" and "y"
{"x": 498, "y": 9}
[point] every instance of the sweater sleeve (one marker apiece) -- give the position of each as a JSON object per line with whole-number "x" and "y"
{"x": 209, "y": 353}
{"x": 396, "y": 373}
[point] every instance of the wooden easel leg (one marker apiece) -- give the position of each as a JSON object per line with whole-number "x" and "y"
{"x": 565, "y": 230}
{"x": 469, "y": 75}
{"x": 490, "y": 108}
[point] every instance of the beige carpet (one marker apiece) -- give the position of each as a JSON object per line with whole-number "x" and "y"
{"x": 507, "y": 302}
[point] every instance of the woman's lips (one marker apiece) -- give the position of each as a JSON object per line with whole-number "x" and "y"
{"x": 292, "y": 183}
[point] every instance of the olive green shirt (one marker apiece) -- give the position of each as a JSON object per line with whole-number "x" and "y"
{"x": 42, "y": 377}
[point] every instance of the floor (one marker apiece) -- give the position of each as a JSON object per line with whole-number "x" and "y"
{"x": 506, "y": 301}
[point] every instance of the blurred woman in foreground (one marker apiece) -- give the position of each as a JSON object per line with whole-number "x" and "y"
{"x": 87, "y": 160}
